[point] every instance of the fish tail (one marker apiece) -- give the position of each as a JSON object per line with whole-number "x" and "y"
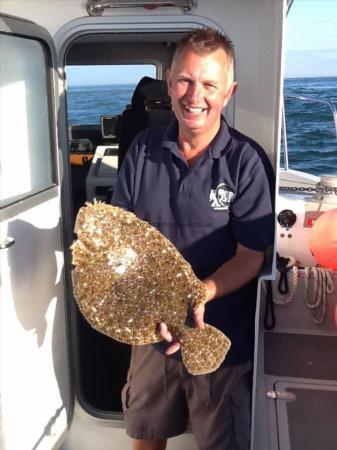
{"x": 203, "y": 349}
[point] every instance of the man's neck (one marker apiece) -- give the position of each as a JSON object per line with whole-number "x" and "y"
{"x": 193, "y": 146}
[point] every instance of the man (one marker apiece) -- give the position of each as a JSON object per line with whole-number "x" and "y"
{"x": 204, "y": 186}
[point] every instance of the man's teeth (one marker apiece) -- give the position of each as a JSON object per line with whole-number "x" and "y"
{"x": 194, "y": 109}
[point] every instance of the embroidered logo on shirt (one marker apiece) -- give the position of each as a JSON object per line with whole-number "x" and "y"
{"x": 220, "y": 198}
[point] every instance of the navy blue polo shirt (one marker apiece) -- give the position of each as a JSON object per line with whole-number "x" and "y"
{"x": 205, "y": 209}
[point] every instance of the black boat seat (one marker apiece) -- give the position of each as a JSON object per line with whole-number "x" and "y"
{"x": 150, "y": 105}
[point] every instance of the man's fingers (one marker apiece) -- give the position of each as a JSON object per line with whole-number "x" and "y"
{"x": 164, "y": 332}
{"x": 199, "y": 311}
{"x": 167, "y": 336}
{"x": 173, "y": 348}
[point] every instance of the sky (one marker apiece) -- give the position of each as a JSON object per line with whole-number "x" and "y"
{"x": 311, "y": 42}
{"x": 118, "y": 74}
{"x": 311, "y": 48}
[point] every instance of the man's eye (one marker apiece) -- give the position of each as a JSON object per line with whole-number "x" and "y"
{"x": 210, "y": 86}
{"x": 184, "y": 81}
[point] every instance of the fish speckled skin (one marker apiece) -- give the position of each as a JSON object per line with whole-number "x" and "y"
{"x": 128, "y": 278}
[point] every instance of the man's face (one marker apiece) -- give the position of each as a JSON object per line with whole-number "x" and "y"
{"x": 200, "y": 86}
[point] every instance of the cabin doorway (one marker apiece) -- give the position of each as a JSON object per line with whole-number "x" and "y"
{"x": 102, "y": 71}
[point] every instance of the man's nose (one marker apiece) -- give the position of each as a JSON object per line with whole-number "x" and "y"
{"x": 194, "y": 93}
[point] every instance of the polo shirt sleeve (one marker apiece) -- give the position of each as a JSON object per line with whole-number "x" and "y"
{"x": 124, "y": 192}
{"x": 252, "y": 211}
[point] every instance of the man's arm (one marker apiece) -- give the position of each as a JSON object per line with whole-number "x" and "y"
{"x": 239, "y": 270}
{"x": 243, "y": 267}
{"x": 230, "y": 276}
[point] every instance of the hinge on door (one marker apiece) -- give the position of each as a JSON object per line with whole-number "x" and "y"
{"x": 6, "y": 243}
{"x": 281, "y": 395}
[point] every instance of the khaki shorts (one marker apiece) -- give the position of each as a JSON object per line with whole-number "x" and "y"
{"x": 161, "y": 398}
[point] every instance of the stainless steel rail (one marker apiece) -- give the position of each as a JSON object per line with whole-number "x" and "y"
{"x": 305, "y": 99}
{"x": 316, "y": 100}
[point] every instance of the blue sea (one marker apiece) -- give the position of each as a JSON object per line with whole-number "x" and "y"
{"x": 311, "y": 134}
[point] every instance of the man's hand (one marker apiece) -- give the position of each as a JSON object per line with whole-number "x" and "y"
{"x": 199, "y": 311}
{"x": 244, "y": 266}
{"x": 167, "y": 336}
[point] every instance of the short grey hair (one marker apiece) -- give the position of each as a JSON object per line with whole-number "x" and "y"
{"x": 203, "y": 41}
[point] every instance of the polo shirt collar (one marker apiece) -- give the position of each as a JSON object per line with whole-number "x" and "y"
{"x": 170, "y": 139}
{"x": 221, "y": 140}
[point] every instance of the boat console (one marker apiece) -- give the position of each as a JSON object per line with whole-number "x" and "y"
{"x": 102, "y": 175}
{"x": 298, "y": 208}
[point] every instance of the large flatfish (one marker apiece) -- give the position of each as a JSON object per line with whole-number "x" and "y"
{"x": 128, "y": 278}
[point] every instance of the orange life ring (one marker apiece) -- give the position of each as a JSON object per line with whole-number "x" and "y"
{"x": 323, "y": 239}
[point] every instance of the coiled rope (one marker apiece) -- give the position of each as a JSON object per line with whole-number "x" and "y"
{"x": 315, "y": 293}
{"x": 323, "y": 285}
{"x": 285, "y": 266}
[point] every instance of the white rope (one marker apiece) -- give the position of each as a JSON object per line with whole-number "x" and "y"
{"x": 323, "y": 285}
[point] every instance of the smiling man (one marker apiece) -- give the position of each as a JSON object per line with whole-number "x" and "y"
{"x": 200, "y": 86}
{"x": 205, "y": 187}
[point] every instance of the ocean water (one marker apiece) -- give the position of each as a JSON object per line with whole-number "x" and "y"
{"x": 86, "y": 104}
{"x": 311, "y": 134}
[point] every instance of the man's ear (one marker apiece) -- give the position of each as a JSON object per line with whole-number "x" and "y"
{"x": 231, "y": 91}
{"x": 234, "y": 87}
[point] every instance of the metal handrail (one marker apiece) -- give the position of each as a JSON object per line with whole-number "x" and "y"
{"x": 97, "y": 7}
{"x": 316, "y": 100}
{"x": 289, "y": 5}
{"x": 285, "y": 139}
{"x": 284, "y": 128}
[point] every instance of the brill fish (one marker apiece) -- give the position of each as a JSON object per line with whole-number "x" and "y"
{"x": 128, "y": 278}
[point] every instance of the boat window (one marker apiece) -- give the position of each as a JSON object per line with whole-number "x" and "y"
{"x": 97, "y": 96}
{"x": 25, "y": 138}
{"x": 101, "y": 90}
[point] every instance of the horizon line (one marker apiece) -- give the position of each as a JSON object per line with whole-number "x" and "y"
{"x": 135, "y": 83}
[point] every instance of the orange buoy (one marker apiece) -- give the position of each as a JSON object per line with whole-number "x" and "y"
{"x": 323, "y": 239}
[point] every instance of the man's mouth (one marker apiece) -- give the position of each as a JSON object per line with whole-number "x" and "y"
{"x": 194, "y": 109}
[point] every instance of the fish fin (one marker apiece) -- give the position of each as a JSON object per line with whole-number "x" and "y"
{"x": 203, "y": 349}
